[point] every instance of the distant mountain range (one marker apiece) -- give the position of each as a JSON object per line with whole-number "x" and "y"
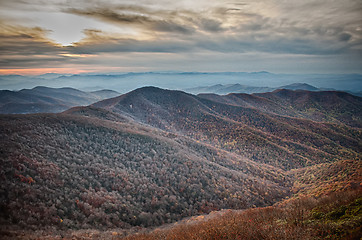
{"x": 238, "y": 88}
{"x": 125, "y": 82}
{"x": 53, "y": 100}
{"x": 45, "y": 99}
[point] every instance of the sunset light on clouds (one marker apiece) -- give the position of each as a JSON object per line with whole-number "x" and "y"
{"x": 87, "y": 36}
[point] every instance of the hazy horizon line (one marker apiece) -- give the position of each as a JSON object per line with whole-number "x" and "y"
{"x": 181, "y": 72}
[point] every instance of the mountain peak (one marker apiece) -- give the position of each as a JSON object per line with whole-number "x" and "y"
{"x": 147, "y": 93}
{"x": 300, "y": 86}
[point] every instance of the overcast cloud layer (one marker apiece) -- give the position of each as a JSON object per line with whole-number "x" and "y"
{"x": 279, "y": 36}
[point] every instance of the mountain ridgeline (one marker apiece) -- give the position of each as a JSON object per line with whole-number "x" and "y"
{"x": 239, "y": 88}
{"x": 281, "y": 141}
{"x": 51, "y": 100}
{"x": 155, "y": 156}
{"x": 323, "y": 106}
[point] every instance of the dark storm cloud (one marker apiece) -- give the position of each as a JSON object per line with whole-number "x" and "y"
{"x": 344, "y": 37}
{"x": 97, "y": 42}
{"x": 23, "y": 40}
{"x": 139, "y": 19}
{"x": 211, "y": 25}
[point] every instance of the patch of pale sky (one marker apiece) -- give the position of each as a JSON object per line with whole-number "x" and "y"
{"x": 64, "y": 28}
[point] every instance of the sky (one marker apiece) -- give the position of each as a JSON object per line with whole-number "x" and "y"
{"x": 282, "y": 36}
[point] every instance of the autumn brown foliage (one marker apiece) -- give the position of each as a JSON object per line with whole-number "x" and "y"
{"x": 153, "y": 157}
{"x": 336, "y": 216}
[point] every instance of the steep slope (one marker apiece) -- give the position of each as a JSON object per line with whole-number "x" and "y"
{"x": 324, "y": 106}
{"x": 327, "y": 178}
{"x": 67, "y": 171}
{"x": 267, "y": 138}
{"x": 299, "y": 86}
{"x": 239, "y": 88}
{"x": 164, "y": 109}
{"x": 336, "y": 216}
{"x": 228, "y": 88}
{"x": 247, "y": 100}
{"x": 44, "y": 99}
{"x": 329, "y": 106}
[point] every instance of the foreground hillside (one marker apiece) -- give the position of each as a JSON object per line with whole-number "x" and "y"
{"x": 77, "y": 172}
{"x": 153, "y": 157}
{"x": 336, "y": 216}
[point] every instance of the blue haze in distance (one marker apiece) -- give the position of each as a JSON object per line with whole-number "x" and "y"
{"x": 124, "y": 82}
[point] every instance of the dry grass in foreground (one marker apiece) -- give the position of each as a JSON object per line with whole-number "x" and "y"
{"x": 337, "y": 216}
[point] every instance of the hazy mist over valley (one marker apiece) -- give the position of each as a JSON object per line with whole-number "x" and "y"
{"x": 178, "y": 120}
{"x": 125, "y": 82}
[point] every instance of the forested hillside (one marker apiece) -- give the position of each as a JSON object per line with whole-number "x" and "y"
{"x": 335, "y": 216}
{"x": 75, "y": 172}
{"x": 153, "y": 156}
{"x": 48, "y": 100}
{"x": 280, "y": 141}
{"x": 324, "y": 106}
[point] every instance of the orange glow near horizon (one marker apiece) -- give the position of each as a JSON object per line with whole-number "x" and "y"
{"x": 39, "y": 71}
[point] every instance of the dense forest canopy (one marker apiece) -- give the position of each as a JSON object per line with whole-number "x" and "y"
{"x": 154, "y": 156}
